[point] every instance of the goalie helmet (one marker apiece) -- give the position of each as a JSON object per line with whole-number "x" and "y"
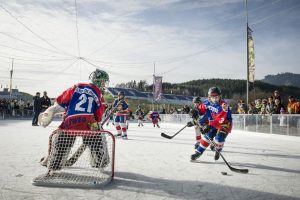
{"x": 99, "y": 78}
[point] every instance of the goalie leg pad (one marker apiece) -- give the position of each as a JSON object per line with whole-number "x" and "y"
{"x": 99, "y": 152}
{"x": 61, "y": 146}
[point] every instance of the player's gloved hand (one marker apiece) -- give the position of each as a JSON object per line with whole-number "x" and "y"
{"x": 225, "y": 107}
{"x": 190, "y": 124}
{"x": 94, "y": 126}
{"x": 226, "y": 126}
{"x": 205, "y": 128}
{"x": 194, "y": 114}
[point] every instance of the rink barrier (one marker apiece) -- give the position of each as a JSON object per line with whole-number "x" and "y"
{"x": 282, "y": 124}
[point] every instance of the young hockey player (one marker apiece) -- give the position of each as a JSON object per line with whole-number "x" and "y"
{"x": 83, "y": 104}
{"x": 140, "y": 116}
{"x": 219, "y": 123}
{"x": 121, "y": 115}
{"x": 195, "y": 114}
{"x": 154, "y": 116}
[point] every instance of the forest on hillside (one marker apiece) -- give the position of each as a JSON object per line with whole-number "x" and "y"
{"x": 287, "y": 79}
{"x": 231, "y": 88}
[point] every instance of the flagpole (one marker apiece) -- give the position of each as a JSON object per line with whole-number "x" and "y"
{"x": 11, "y": 74}
{"x": 247, "y": 84}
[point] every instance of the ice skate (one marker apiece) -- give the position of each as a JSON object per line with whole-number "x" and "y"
{"x": 124, "y": 137}
{"x": 118, "y": 135}
{"x": 196, "y": 155}
{"x": 217, "y": 155}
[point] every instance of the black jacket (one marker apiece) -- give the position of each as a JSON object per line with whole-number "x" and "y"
{"x": 46, "y": 102}
{"x": 37, "y": 106}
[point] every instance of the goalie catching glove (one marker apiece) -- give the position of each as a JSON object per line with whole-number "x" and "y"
{"x": 46, "y": 117}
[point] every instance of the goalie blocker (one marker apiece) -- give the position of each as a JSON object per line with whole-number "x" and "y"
{"x": 95, "y": 167}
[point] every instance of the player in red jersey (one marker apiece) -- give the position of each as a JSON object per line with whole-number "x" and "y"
{"x": 84, "y": 107}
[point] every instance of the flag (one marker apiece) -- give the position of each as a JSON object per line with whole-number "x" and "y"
{"x": 157, "y": 87}
{"x": 251, "y": 64}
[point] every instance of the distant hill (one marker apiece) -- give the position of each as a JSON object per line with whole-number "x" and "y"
{"x": 231, "y": 88}
{"x": 286, "y": 79}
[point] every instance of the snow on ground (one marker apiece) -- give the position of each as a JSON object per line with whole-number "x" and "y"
{"x": 151, "y": 167}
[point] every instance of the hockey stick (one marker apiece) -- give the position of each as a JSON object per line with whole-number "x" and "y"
{"x": 171, "y": 136}
{"x": 82, "y": 147}
{"x": 243, "y": 171}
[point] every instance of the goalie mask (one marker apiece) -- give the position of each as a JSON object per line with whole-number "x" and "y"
{"x": 99, "y": 78}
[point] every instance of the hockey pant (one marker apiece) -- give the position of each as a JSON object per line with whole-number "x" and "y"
{"x": 155, "y": 121}
{"x": 120, "y": 123}
{"x": 217, "y": 137}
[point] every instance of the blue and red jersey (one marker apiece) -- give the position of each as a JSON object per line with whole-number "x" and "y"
{"x": 84, "y": 106}
{"x": 122, "y": 108}
{"x": 216, "y": 116}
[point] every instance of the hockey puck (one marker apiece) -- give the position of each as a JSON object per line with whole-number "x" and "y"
{"x": 224, "y": 173}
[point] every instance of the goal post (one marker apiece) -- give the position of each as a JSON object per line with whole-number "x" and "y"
{"x": 79, "y": 158}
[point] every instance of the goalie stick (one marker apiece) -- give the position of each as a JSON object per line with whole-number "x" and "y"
{"x": 171, "y": 136}
{"x": 243, "y": 171}
{"x": 82, "y": 147}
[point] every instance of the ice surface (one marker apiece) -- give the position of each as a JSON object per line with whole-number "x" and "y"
{"x": 151, "y": 167}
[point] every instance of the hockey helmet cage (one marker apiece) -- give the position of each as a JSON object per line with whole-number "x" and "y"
{"x": 98, "y": 77}
{"x": 214, "y": 91}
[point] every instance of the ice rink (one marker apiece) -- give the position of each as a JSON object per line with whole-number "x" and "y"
{"x": 151, "y": 167}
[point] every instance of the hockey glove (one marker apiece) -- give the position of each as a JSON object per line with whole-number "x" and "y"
{"x": 190, "y": 124}
{"x": 94, "y": 126}
{"x": 194, "y": 114}
{"x": 205, "y": 128}
{"x": 225, "y": 107}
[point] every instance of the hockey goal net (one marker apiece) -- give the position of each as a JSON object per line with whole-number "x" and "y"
{"x": 79, "y": 159}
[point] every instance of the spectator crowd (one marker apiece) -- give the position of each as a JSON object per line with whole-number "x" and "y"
{"x": 271, "y": 105}
{"x": 23, "y": 108}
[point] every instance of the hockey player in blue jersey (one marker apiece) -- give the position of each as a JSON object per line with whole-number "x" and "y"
{"x": 219, "y": 123}
{"x": 121, "y": 115}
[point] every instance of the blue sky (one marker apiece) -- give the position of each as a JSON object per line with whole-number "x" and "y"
{"x": 186, "y": 40}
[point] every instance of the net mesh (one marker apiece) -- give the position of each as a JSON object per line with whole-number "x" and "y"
{"x": 79, "y": 159}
